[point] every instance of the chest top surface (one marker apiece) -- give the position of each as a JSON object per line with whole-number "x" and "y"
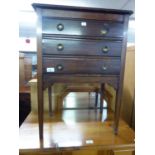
{"x": 79, "y": 8}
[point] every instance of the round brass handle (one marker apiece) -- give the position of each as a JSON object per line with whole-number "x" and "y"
{"x": 104, "y": 68}
{"x": 104, "y": 31}
{"x": 60, "y": 27}
{"x": 60, "y": 47}
{"x": 59, "y": 67}
{"x": 105, "y": 49}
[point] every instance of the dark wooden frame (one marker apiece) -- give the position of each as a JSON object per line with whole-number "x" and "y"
{"x": 46, "y": 80}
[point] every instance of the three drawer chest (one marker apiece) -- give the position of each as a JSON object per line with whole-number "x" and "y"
{"x": 80, "y": 45}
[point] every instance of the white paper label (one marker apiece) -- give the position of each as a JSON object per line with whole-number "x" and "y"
{"x": 83, "y": 23}
{"x": 50, "y": 69}
{"x": 89, "y": 141}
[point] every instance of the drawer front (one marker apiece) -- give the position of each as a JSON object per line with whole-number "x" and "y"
{"x": 81, "y": 66}
{"x": 82, "y": 27}
{"x": 81, "y": 47}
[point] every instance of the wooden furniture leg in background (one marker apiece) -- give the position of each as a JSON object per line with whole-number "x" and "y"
{"x": 96, "y": 98}
{"x": 89, "y": 97}
{"x": 102, "y": 96}
{"x": 50, "y": 99}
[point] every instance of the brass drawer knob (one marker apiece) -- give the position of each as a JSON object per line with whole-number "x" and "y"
{"x": 59, "y": 67}
{"x": 105, "y": 49}
{"x": 60, "y": 47}
{"x": 104, "y": 31}
{"x": 104, "y": 67}
{"x": 60, "y": 27}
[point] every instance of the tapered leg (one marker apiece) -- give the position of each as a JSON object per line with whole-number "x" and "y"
{"x": 102, "y": 96}
{"x": 89, "y": 98}
{"x": 117, "y": 110}
{"x": 96, "y": 98}
{"x": 50, "y": 100}
{"x": 40, "y": 109}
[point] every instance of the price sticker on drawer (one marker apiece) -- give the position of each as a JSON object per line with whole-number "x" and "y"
{"x": 50, "y": 69}
{"x": 84, "y": 24}
{"x": 89, "y": 141}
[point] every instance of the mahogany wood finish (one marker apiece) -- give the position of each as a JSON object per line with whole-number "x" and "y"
{"x": 80, "y": 44}
{"x": 50, "y": 100}
{"x": 81, "y": 65}
{"x": 39, "y": 75}
{"x": 121, "y": 79}
{"x": 79, "y": 28}
{"x": 50, "y": 79}
{"x": 102, "y": 96}
{"x": 85, "y": 47}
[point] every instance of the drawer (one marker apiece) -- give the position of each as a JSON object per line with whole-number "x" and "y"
{"x": 81, "y": 47}
{"x": 82, "y": 27}
{"x": 81, "y": 65}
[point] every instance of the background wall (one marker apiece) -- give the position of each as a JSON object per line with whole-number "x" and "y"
{"x": 127, "y": 109}
{"x": 129, "y": 87}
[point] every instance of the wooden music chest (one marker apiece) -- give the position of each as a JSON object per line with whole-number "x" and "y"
{"x": 81, "y": 45}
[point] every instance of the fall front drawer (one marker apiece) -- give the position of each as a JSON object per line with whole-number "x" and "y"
{"x": 82, "y": 27}
{"x": 81, "y": 65}
{"x": 81, "y": 47}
